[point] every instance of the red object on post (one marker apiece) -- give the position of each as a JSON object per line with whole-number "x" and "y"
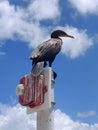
{"x": 34, "y": 91}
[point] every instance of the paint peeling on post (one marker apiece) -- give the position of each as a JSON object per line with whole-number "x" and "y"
{"x": 37, "y": 94}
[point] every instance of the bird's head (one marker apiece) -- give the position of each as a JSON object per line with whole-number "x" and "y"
{"x": 60, "y": 33}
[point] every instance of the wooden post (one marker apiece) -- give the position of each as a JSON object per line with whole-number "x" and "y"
{"x": 45, "y": 112}
{"x": 45, "y": 117}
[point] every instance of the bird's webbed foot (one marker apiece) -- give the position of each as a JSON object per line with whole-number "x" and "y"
{"x": 45, "y": 64}
{"x": 54, "y": 74}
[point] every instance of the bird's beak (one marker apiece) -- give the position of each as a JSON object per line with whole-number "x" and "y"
{"x": 66, "y": 35}
{"x": 70, "y": 36}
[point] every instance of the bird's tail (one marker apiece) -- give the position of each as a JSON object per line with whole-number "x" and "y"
{"x": 37, "y": 68}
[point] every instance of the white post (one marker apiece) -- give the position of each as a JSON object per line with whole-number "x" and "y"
{"x": 45, "y": 118}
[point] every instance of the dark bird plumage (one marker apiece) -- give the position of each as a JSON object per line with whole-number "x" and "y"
{"x": 48, "y": 50}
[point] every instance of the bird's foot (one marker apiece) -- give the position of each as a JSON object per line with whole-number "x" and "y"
{"x": 45, "y": 64}
{"x": 54, "y": 74}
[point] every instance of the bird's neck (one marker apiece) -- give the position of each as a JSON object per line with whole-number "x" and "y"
{"x": 57, "y": 38}
{"x": 53, "y": 35}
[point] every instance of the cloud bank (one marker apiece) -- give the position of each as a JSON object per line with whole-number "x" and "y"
{"x": 77, "y": 46}
{"x": 15, "y": 118}
{"x": 24, "y": 24}
{"x": 41, "y": 10}
{"x": 86, "y": 114}
{"x": 85, "y": 6}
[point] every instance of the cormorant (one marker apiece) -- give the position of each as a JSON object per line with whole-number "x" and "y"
{"x": 48, "y": 50}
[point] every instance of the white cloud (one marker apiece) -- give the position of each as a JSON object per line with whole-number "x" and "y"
{"x": 9, "y": 19}
{"x": 43, "y": 9}
{"x": 15, "y": 118}
{"x": 24, "y": 23}
{"x": 2, "y": 53}
{"x": 86, "y": 114}
{"x": 85, "y": 6}
{"x": 77, "y": 46}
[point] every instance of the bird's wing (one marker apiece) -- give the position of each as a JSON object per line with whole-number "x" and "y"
{"x": 42, "y": 48}
{"x": 48, "y": 48}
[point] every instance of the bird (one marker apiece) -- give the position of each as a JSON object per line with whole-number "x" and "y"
{"x": 47, "y": 51}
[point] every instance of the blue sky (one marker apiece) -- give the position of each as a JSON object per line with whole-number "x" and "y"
{"x": 24, "y": 25}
